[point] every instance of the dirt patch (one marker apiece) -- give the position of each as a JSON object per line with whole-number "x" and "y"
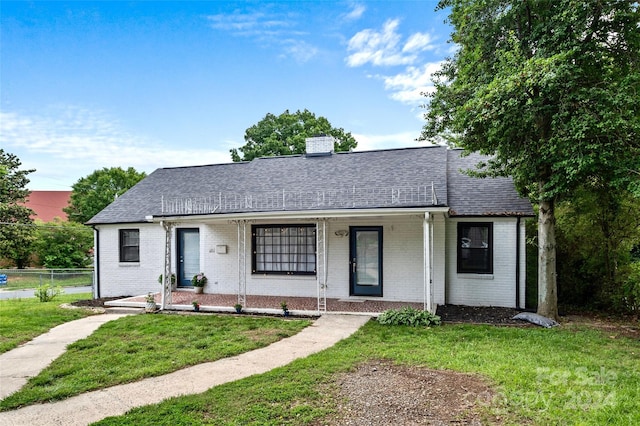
{"x": 382, "y": 393}
{"x": 479, "y": 315}
{"x": 613, "y": 327}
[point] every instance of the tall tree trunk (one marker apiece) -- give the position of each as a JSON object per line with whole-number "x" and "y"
{"x": 547, "y": 283}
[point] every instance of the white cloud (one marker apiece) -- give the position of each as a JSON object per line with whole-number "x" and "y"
{"x": 380, "y": 48}
{"x": 419, "y": 42}
{"x": 408, "y": 87}
{"x": 249, "y": 24}
{"x": 299, "y": 50}
{"x": 386, "y": 48}
{"x": 68, "y": 143}
{"x": 357, "y": 10}
{"x": 268, "y": 29}
{"x": 396, "y": 140}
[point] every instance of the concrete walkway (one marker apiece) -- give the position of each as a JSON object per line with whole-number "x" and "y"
{"x": 20, "y": 364}
{"x": 93, "y": 406}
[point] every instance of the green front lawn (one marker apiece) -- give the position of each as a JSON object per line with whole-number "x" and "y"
{"x": 139, "y": 346}
{"x": 564, "y": 376}
{"x": 23, "y": 319}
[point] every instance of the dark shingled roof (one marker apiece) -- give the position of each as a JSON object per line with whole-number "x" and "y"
{"x": 469, "y": 196}
{"x": 393, "y": 178}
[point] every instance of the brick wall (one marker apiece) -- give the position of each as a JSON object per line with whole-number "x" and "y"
{"x": 403, "y": 262}
{"x": 497, "y": 289}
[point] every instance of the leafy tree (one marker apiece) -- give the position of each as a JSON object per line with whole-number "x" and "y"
{"x": 64, "y": 245}
{"x": 597, "y": 230}
{"x": 93, "y": 193}
{"x": 286, "y": 134}
{"x": 16, "y": 232}
{"x": 551, "y": 90}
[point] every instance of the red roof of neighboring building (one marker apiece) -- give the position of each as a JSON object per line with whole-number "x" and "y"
{"x": 48, "y": 205}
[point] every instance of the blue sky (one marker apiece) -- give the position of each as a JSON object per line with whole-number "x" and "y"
{"x": 86, "y": 85}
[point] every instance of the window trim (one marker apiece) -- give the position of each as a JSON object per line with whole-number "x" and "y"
{"x": 254, "y": 251}
{"x": 121, "y": 245}
{"x": 488, "y": 270}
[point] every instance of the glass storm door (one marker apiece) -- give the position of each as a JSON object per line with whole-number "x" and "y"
{"x": 365, "y": 260}
{"x": 188, "y": 255}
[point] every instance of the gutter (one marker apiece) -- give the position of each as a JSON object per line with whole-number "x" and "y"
{"x": 309, "y": 215}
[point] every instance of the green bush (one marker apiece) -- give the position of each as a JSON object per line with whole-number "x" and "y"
{"x": 631, "y": 289}
{"x": 408, "y": 316}
{"x": 46, "y": 293}
{"x": 64, "y": 245}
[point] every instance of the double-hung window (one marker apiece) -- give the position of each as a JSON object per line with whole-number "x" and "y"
{"x": 475, "y": 247}
{"x": 129, "y": 245}
{"x": 283, "y": 249}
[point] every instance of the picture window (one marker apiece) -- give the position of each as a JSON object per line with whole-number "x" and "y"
{"x": 284, "y": 249}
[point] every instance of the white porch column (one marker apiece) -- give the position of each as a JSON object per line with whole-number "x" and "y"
{"x": 166, "y": 275}
{"x": 426, "y": 230}
{"x": 242, "y": 262}
{"x": 321, "y": 264}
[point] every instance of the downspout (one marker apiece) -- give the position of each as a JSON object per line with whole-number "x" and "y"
{"x": 518, "y": 262}
{"x": 96, "y": 261}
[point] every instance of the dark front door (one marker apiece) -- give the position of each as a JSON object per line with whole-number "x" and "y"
{"x": 188, "y": 255}
{"x": 365, "y": 260}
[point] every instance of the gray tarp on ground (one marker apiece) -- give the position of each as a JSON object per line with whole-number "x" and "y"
{"x": 536, "y": 319}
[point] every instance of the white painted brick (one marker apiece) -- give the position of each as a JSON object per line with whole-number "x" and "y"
{"x": 403, "y": 262}
{"x": 497, "y": 289}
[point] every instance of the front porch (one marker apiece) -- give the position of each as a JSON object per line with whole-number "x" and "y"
{"x": 304, "y": 306}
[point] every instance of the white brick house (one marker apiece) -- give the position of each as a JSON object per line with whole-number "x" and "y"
{"x": 395, "y": 225}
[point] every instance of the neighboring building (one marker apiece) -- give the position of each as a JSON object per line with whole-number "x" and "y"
{"x": 394, "y": 225}
{"x": 47, "y": 205}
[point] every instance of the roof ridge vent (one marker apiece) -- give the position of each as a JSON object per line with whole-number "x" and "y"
{"x": 319, "y": 145}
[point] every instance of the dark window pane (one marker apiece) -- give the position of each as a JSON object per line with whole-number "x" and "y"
{"x": 129, "y": 245}
{"x": 475, "y": 248}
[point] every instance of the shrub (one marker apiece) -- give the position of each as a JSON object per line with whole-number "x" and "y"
{"x": 408, "y": 316}
{"x": 46, "y": 292}
{"x": 631, "y": 289}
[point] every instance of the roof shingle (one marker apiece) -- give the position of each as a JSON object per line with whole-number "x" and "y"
{"x": 369, "y": 179}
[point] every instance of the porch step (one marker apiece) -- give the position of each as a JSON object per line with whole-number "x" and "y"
{"x": 123, "y": 310}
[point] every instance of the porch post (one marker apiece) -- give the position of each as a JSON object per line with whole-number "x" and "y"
{"x": 242, "y": 262}
{"x": 321, "y": 264}
{"x": 166, "y": 275}
{"x": 426, "y": 230}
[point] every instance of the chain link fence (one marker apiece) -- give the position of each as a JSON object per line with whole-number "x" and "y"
{"x": 32, "y": 278}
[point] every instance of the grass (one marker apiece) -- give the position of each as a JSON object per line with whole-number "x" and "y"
{"x": 135, "y": 347}
{"x": 33, "y": 280}
{"x": 23, "y": 319}
{"x": 564, "y": 376}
